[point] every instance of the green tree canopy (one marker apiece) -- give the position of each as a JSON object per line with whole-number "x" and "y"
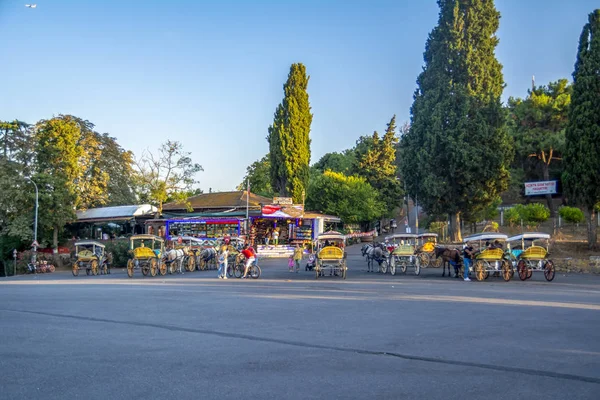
{"x": 343, "y": 162}
{"x": 537, "y": 126}
{"x": 457, "y": 151}
{"x": 258, "y": 174}
{"x": 582, "y": 147}
{"x": 349, "y": 197}
{"x": 289, "y": 137}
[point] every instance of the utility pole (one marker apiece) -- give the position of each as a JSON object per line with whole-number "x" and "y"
{"x": 35, "y": 225}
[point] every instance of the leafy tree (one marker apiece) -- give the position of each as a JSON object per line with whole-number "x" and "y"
{"x": 166, "y": 175}
{"x": 119, "y": 166}
{"x": 537, "y": 126}
{"x": 457, "y": 150}
{"x": 289, "y": 141}
{"x": 57, "y": 172}
{"x": 349, "y": 197}
{"x": 582, "y": 163}
{"x": 258, "y": 174}
{"x": 376, "y": 160}
{"x": 343, "y": 162}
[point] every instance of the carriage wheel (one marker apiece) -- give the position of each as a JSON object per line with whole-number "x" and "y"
{"x": 94, "y": 267}
{"x": 424, "y": 260}
{"x": 145, "y": 269}
{"x": 549, "y": 270}
{"x": 506, "y": 270}
{"x": 438, "y": 262}
{"x": 229, "y": 271}
{"x": 130, "y": 267}
{"x": 190, "y": 264}
{"x": 153, "y": 266}
{"x": 403, "y": 266}
{"x": 393, "y": 268}
{"x": 202, "y": 264}
{"x": 162, "y": 268}
{"x": 75, "y": 270}
{"x": 480, "y": 270}
{"x": 51, "y": 268}
{"x": 522, "y": 270}
{"x": 383, "y": 267}
{"x": 529, "y": 273}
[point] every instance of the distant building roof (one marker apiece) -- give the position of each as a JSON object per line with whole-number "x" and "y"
{"x": 216, "y": 200}
{"x": 314, "y": 215}
{"x": 115, "y": 213}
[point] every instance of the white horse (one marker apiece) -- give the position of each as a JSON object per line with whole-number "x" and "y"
{"x": 175, "y": 256}
{"x": 375, "y": 253}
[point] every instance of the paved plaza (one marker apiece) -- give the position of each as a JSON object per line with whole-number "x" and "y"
{"x": 289, "y": 336}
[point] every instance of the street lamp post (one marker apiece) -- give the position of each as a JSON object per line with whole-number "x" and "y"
{"x": 35, "y": 225}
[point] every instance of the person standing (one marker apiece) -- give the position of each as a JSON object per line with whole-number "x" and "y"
{"x": 276, "y": 236}
{"x": 468, "y": 251}
{"x": 223, "y": 254}
{"x": 298, "y": 254}
{"x": 267, "y": 236}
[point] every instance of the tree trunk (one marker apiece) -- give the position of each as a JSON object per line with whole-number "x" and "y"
{"x": 55, "y": 237}
{"x": 592, "y": 229}
{"x": 455, "y": 233}
{"x": 546, "y": 171}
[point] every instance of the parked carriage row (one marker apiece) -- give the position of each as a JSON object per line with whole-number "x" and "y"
{"x": 148, "y": 255}
{"x": 497, "y": 254}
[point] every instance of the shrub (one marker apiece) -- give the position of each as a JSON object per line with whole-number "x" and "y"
{"x": 571, "y": 215}
{"x": 120, "y": 252}
{"x": 530, "y": 214}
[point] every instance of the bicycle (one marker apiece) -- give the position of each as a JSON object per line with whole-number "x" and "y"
{"x": 237, "y": 270}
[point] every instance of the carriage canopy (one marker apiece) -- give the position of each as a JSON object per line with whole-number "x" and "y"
{"x": 482, "y": 237}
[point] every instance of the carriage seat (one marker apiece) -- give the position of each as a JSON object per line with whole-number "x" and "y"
{"x": 331, "y": 253}
{"x": 428, "y": 247}
{"x": 490, "y": 254}
{"x": 534, "y": 253}
{"x": 143, "y": 252}
{"x": 404, "y": 250}
{"x": 86, "y": 255}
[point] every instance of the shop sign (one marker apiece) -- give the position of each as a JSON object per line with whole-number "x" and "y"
{"x": 283, "y": 211}
{"x": 283, "y": 200}
{"x": 537, "y": 188}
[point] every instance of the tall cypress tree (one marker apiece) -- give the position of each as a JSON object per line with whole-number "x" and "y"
{"x": 289, "y": 137}
{"x": 457, "y": 152}
{"x": 582, "y": 152}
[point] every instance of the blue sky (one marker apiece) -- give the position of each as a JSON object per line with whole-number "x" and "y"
{"x": 210, "y": 73}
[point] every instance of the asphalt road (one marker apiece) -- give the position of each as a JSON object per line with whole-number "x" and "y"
{"x": 289, "y": 336}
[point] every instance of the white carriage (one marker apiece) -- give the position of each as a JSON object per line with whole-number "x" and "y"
{"x": 403, "y": 253}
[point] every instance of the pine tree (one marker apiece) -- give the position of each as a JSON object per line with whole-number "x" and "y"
{"x": 289, "y": 137}
{"x": 457, "y": 152}
{"x": 582, "y": 147}
{"x": 376, "y": 161}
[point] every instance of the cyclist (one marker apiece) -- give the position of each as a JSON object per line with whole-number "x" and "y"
{"x": 250, "y": 255}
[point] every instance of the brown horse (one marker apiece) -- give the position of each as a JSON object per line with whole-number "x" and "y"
{"x": 449, "y": 256}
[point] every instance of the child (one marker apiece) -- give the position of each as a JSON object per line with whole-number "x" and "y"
{"x": 291, "y": 263}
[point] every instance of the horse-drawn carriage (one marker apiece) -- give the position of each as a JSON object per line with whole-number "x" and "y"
{"x": 529, "y": 252}
{"x": 91, "y": 256}
{"x": 331, "y": 255}
{"x": 147, "y": 253}
{"x": 489, "y": 256}
{"x": 426, "y": 243}
{"x": 403, "y": 253}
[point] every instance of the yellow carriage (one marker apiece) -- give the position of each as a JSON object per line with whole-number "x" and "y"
{"x": 91, "y": 257}
{"x": 426, "y": 243}
{"x": 403, "y": 252}
{"x": 529, "y": 252}
{"x": 489, "y": 258}
{"x": 147, "y": 253}
{"x": 331, "y": 255}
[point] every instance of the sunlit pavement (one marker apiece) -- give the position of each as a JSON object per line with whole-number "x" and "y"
{"x": 288, "y": 335}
